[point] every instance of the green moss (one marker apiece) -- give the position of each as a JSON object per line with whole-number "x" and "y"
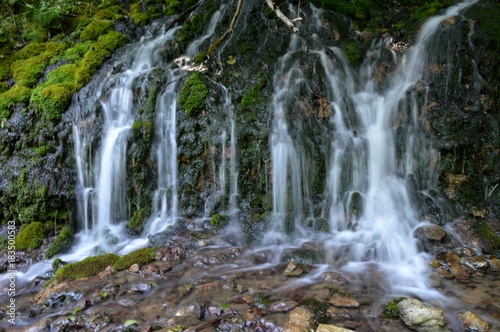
{"x": 57, "y": 264}
{"x": 193, "y": 94}
{"x": 200, "y": 57}
{"x": 141, "y": 256}
{"x": 52, "y": 100}
{"x": 90, "y": 266}
{"x": 96, "y": 55}
{"x": 95, "y": 29}
{"x": 33, "y": 60}
{"x": 490, "y": 242}
{"x": 426, "y": 10}
{"x": 63, "y": 74}
{"x": 486, "y": 15}
{"x": 136, "y": 224}
{"x": 172, "y": 7}
{"x": 36, "y": 35}
{"x": 77, "y": 52}
{"x": 253, "y": 95}
{"x": 16, "y": 94}
{"x": 353, "y": 53}
{"x": 28, "y": 72}
{"x": 30, "y": 236}
{"x": 112, "y": 13}
{"x": 6, "y": 68}
{"x": 391, "y": 309}
{"x": 143, "y": 17}
{"x": 318, "y": 308}
{"x": 191, "y": 28}
{"x": 62, "y": 243}
{"x": 218, "y": 221}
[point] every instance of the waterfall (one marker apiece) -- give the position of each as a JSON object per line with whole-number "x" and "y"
{"x": 102, "y": 178}
{"x": 377, "y": 155}
{"x": 166, "y": 202}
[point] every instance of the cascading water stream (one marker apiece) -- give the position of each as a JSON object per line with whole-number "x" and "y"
{"x": 371, "y": 173}
{"x": 165, "y": 201}
{"x": 104, "y": 177}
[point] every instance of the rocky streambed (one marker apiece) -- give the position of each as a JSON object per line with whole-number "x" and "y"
{"x": 197, "y": 281}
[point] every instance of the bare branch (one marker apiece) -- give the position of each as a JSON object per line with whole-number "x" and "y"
{"x": 219, "y": 41}
{"x": 283, "y": 17}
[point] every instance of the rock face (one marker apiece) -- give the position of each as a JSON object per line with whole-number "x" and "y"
{"x": 421, "y": 317}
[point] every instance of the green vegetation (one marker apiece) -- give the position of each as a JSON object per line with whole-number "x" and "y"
{"x": 95, "y": 29}
{"x": 62, "y": 243}
{"x": 253, "y": 94}
{"x": 219, "y": 221}
{"x": 140, "y": 256}
{"x": 57, "y": 264}
{"x": 428, "y": 9}
{"x": 89, "y": 267}
{"x": 16, "y": 94}
{"x": 193, "y": 94}
{"x": 136, "y": 224}
{"x": 353, "y": 53}
{"x": 490, "y": 242}
{"x": 391, "y": 309}
{"x": 486, "y": 14}
{"x": 30, "y": 236}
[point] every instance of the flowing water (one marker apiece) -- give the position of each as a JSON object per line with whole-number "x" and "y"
{"x": 102, "y": 174}
{"x": 378, "y": 157}
{"x": 376, "y": 162}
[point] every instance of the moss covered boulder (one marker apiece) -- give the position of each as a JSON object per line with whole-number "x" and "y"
{"x": 193, "y": 94}
{"x": 140, "y": 256}
{"x": 62, "y": 243}
{"x": 31, "y": 236}
{"x": 89, "y": 267}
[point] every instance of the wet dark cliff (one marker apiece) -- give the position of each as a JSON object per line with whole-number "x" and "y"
{"x": 460, "y": 115}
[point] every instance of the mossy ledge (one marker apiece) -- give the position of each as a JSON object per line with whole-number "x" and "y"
{"x": 193, "y": 94}
{"x": 140, "y": 256}
{"x": 62, "y": 243}
{"x": 88, "y": 267}
{"x": 30, "y": 236}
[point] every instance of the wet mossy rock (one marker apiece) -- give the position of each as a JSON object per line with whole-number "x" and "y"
{"x": 88, "y": 267}
{"x": 490, "y": 242}
{"x": 140, "y": 256}
{"x": 62, "y": 243}
{"x": 31, "y": 236}
{"x": 219, "y": 221}
{"x": 253, "y": 94}
{"x": 95, "y": 29}
{"x": 136, "y": 224}
{"x": 193, "y": 94}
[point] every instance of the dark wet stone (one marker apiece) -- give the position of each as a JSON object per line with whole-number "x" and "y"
{"x": 58, "y": 299}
